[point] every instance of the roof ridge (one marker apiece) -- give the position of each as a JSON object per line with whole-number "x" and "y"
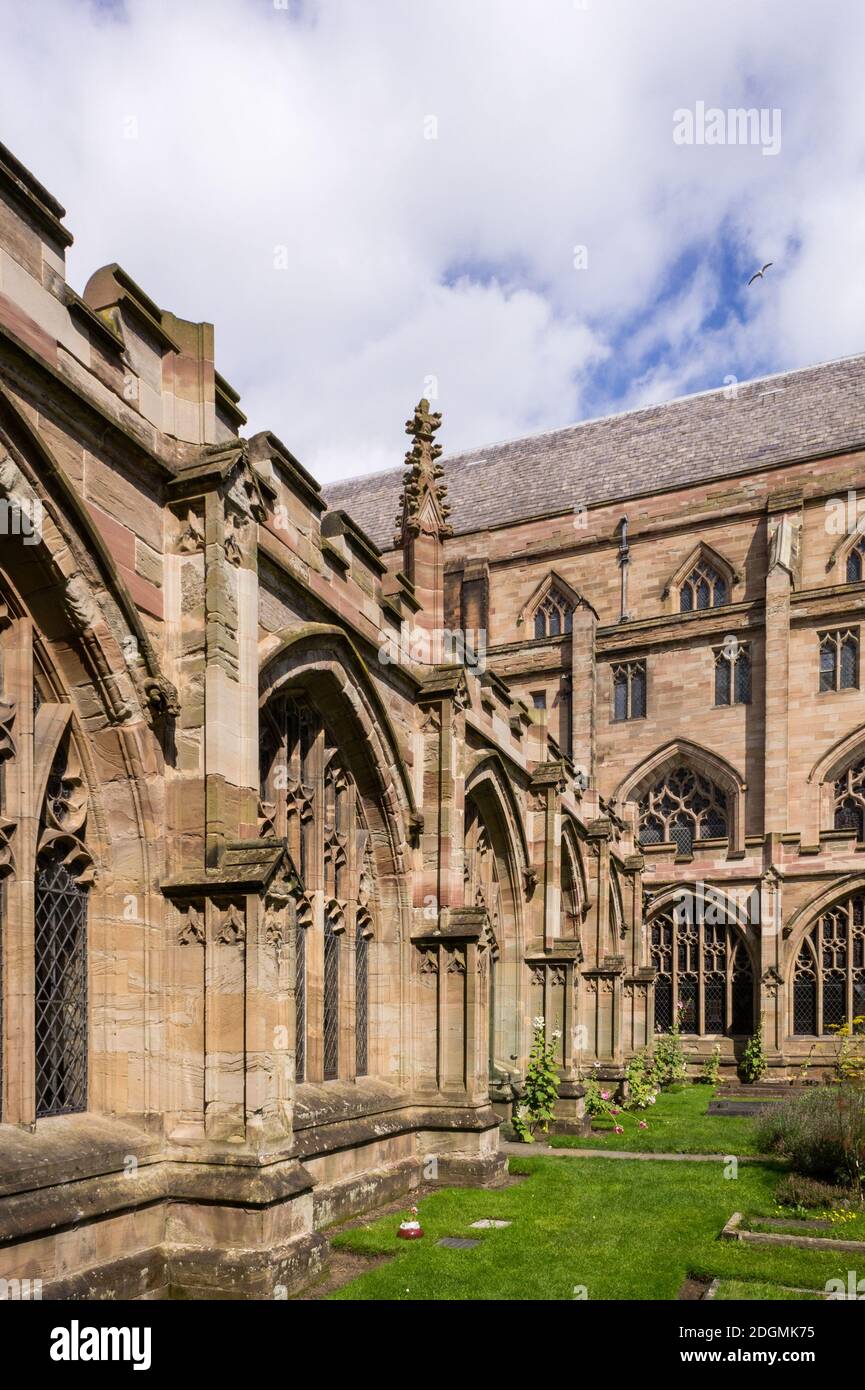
{"x": 601, "y": 419}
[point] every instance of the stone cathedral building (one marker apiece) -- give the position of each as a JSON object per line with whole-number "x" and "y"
{"x": 310, "y": 803}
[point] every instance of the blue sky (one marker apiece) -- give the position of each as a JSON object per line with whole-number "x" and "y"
{"x": 373, "y": 202}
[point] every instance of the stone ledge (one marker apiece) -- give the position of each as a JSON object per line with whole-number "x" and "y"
{"x": 70, "y": 1148}
{"x": 31, "y": 1213}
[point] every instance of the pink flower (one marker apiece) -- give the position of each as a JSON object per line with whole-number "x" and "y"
{"x": 614, "y": 1110}
{"x": 643, "y": 1125}
{"x": 605, "y": 1095}
{"x": 617, "y": 1129}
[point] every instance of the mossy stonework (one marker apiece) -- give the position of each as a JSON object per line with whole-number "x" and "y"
{"x": 304, "y": 821}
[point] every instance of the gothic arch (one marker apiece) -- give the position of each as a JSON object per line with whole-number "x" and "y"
{"x": 489, "y": 799}
{"x": 825, "y": 958}
{"x": 322, "y": 654}
{"x": 572, "y": 856}
{"x": 75, "y": 798}
{"x": 704, "y": 761}
{"x": 67, "y": 554}
{"x": 705, "y": 554}
{"x": 318, "y": 671}
{"x": 704, "y": 959}
{"x": 490, "y": 767}
{"x": 852, "y": 539}
{"x": 551, "y": 583}
{"x": 835, "y": 760}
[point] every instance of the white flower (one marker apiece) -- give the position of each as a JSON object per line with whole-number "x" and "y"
{"x": 538, "y": 1022}
{"x": 556, "y": 1033}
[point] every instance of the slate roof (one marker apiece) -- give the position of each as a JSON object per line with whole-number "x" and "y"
{"x": 773, "y": 420}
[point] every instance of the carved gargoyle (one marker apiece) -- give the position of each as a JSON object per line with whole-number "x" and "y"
{"x": 162, "y": 698}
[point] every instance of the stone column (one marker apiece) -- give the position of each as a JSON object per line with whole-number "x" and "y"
{"x": 585, "y": 621}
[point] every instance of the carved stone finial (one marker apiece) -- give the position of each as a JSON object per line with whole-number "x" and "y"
{"x": 423, "y": 507}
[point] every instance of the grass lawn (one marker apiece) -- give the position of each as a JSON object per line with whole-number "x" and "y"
{"x": 622, "y": 1230}
{"x": 677, "y": 1124}
{"x": 730, "y": 1290}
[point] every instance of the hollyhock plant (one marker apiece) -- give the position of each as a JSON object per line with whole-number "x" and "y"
{"x": 541, "y": 1087}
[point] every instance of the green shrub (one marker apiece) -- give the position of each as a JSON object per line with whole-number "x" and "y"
{"x": 803, "y": 1193}
{"x": 711, "y": 1067}
{"x": 754, "y": 1064}
{"x": 850, "y": 1052}
{"x": 538, "y": 1103}
{"x": 822, "y": 1132}
{"x": 642, "y": 1088}
{"x": 668, "y": 1060}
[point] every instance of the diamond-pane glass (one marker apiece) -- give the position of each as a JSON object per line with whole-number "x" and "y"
{"x": 638, "y": 692}
{"x": 688, "y": 1003}
{"x": 361, "y": 997}
{"x": 805, "y": 1006}
{"x": 722, "y": 681}
{"x": 682, "y": 834}
{"x": 714, "y": 1004}
{"x": 663, "y": 1003}
{"x": 299, "y": 1003}
{"x": 331, "y": 1002}
{"x": 834, "y": 1000}
{"x": 61, "y": 992}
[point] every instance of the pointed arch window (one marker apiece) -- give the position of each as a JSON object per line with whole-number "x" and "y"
{"x": 629, "y": 690}
{"x": 572, "y": 914}
{"x": 299, "y": 1002}
{"x": 61, "y": 991}
{"x": 856, "y": 562}
{"x": 703, "y": 588}
{"x": 839, "y": 659}
{"x": 309, "y": 797}
{"x": 682, "y": 808}
{"x": 733, "y": 674}
{"x": 482, "y": 888}
{"x": 829, "y": 973}
{"x": 849, "y": 799}
{"x": 703, "y": 973}
{"x": 63, "y": 873}
{"x": 554, "y": 615}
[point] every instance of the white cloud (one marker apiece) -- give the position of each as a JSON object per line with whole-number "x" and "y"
{"x": 260, "y": 128}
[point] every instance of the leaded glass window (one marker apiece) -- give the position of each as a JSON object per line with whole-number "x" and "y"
{"x": 703, "y": 974}
{"x": 854, "y": 561}
{"x": 361, "y": 998}
{"x": 61, "y": 991}
{"x": 849, "y": 799}
{"x": 300, "y": 1002}
{"x": 839, "y": 659}
{"x": 554, "y": 615}
{"x": 64, "y": 869}
{"x": 704, "y": 587}
{"x": 733, "y": 674}
{"x": 629, "y": 690}
{"x": 331, "y": 1001}
{"x": 829, "y": 973}
{"x": 682, "y": 808}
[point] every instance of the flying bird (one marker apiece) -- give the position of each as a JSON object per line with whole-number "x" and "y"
{"x": 759, "y": 274}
